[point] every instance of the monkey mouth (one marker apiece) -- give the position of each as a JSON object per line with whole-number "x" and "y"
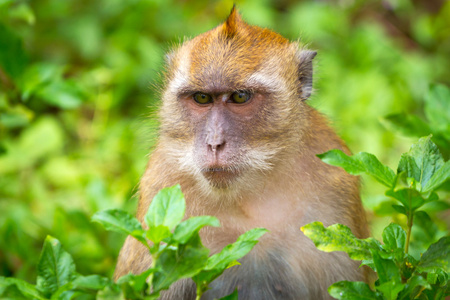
{"x": 220, "y": 177}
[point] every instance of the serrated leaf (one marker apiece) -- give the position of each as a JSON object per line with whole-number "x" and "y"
{"x": 353, "y": 290}
{"x": 338, "y": 237}
{"x": 185, "y": 229}
{"x": 410, "y": 198}
{"x": 185, "y": 261}
{"x": 237, "y": 250}
{"x": 422, "y": 161}
{"x": 400, "y": 209}
{"x": 390, "y": 289}
{"x": 92, "y": 282}
{"x": 24, "y": 287}
{"x": 158, "y": 233}
{"x": 360, "y": 163}
{"x": 55, "y": 267}
{"x": 120, "y": 221}
{"x": 167, "y": 208}
{"x": 137, "y": 282}
{"x": 232, "y": 296}
{"x": 436, "y": 257}
{"x": 412, "y": 286}
{"x": 438, "y": 178}
{"x": 387, "y": 271}
{"x": 218, "y": 262}
{"x": 394, "y": 237}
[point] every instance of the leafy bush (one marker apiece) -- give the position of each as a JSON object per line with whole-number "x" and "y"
{"x": 421, "y": 171}
{"x": 175, "y": 247}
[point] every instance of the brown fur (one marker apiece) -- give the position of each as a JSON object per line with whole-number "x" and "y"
{"x": 269, "y": 175}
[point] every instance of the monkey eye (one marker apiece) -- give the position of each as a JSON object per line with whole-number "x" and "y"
{"x": 202, "y": 98}
{"x": 240, "y": 96}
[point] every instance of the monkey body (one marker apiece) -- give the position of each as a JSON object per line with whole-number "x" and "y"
{"x": 237, "y": 135}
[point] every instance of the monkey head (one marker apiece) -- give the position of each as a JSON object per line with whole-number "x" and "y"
{"x": 239, "y": 91}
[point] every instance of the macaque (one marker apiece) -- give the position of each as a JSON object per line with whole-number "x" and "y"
{"x": 239, "y": 137}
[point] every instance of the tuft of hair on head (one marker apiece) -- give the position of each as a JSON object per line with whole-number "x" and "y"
{"x": 231, "y": 25}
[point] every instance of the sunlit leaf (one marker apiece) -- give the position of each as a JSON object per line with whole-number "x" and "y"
{"x": 120, "y": 221}
{"x": 174, "y": 264}
{"x": 358, "y": 164}
{"x": 185, "y": 229}
{"x": 55, "y": 268}
{"x": 339, "y": 237}
{"x": 353, "y": 290}
{"x": 422, "y": 161}
{"x": 26, "y": 289}
{"x": 167, "y": 208}
{"x": 436, "y": 257}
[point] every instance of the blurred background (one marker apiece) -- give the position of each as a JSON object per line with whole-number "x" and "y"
{"x": 78, "y": 95}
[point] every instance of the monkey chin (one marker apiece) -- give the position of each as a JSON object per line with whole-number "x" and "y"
{"x": 221, "y": 177}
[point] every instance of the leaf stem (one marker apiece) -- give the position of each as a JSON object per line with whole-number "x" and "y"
{"x": 408, "y": 233}
{"x": 409, "y": 222}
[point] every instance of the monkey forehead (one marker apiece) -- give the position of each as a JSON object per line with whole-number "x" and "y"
{"x": 218, "y": 60}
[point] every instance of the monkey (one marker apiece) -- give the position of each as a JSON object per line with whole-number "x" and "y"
{"x": 236, "y": 132}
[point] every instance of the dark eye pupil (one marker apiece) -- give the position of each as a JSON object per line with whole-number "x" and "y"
{"x": 202, "y": 98}
{"x": 241, "y": 97}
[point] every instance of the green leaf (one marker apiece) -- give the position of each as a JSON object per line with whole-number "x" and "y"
{"x": 62, "y": 93}
{"x": 55, "y": 267}
{"x": 137, "y": 282}
{"x": 158, "y": 233}
{"x": 407, "y": 124}
{"x": 232, "y": 296}
{"x": 413, "y": 286}
{"x": 422, "y": 161}
{"x": 353, "y": 290}
{"x": 120, "y": 221}
{"x": 24, "y": 287}
{"x": 389, "y": 277}
{"x": 226, "y": 258}
{"x": 394, "y": 237}
{"x": 390, "y": 289}
{"x": 339, "y": 237}
{"x": 13, "y": 58}
{"x": 237, "y": 250}
{"x": 437, "y": 106}
{"x": 410, "y": 198}
{"x": 185, "y": 261}
{"x": 92, "y": 282}
{"x": 424, "y": 232}
{"x": 400, "y": 209}
{"x": 438, "y": 178}
{"x": 436, "y": 257}
{"x": 360, "y": 163}
{"x": 167, "y": 208}
{"x": 185, "y": 229}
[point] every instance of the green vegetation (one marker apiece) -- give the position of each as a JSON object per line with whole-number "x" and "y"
{"x": 79, "y": 90}
{"x": 176, "y": 250}
{"x": 420, "y": 172}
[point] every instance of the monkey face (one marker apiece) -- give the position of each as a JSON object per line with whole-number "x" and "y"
{"x": 238, "y": 92}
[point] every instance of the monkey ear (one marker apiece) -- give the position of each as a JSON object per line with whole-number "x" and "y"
{"x": 305, "y": 72}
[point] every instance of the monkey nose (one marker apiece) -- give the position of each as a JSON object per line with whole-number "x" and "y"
{"x": 215, "y": 147}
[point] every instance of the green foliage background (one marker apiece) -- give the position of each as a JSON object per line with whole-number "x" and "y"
{"x": 79, "y": 92}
